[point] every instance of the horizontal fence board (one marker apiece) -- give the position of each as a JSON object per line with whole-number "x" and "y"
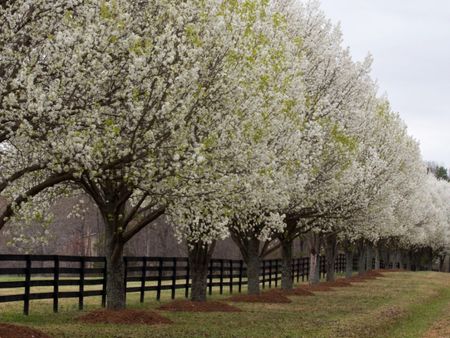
{"x": 12, "y": 271}
{"x": 11, "y": 298}
{"x": 11, "y": 285}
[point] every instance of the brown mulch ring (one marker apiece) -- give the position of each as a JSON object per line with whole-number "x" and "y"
{"x": 338, "y": 283}
{"x": 190, "y": 306}
{"x": 317, "y": 287}
{"x": 127, "y": 316}
{"x": 390, "y": 270}
{"x": 263, "y": 297}
{"x": 293, "y": 292}
{"x": 15, "y": 331}
{"x": 375, "y": 273}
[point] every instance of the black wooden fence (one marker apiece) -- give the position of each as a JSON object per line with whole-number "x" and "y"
{"x": 142, "y": 274}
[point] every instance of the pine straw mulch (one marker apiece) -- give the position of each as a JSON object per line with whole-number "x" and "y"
{"x": 127, "y": 316}
{"x": 316, "y": 287}
{"x": 15, "y": 331}
{"x": 374, "y": 274}
{"x": 190, "y": 306}
{"x": 263, "y": 297}
{"x": 294, "y": 292}
{"x": 338, "y": 283}
{"x": 390, "y": 270}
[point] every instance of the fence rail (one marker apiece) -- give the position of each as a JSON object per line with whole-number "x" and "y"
{"x": 142, "y": 275}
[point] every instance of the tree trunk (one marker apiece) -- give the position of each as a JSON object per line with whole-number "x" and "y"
{"x": 314, "y": 268}
{"x": 401, "y": 259}
{"x": 199, "y": 258}
{"x": 314, "y": 254}
{"x": 441, "y": 263}
{"x": 253, "y": 262}
{"x": 408, "y": 260}
{"x": 369, "y": 258}
{"x": 377, "y": 257}
{"x": 348, "y": 263}
{"x": 330, "y": 257}
{"x": 361, "y": 260}
{"x": 115, "y": 284}
{"x": 430, "y": 262}
{"x": 286, "y": 265}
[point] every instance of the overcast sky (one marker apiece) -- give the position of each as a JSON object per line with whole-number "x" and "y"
{"x": 410, "y": 43}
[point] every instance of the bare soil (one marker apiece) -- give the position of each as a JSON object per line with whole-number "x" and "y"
{"x": 15, "y": 331}
{"x": 264, "y": 297}
{"x": 127, "y": 316}
{"x": 189, "y": 306}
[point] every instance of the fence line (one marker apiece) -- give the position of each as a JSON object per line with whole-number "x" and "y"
{"x": 142, "y": 274}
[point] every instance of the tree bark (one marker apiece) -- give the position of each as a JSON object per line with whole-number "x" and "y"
{"x": 377, "y": 257}
{"x": 314, "y": 254}
{"x": 408, "y": 260}
{"x": 430, "y": 262}
{"x": 330, "y": 257}
{"x": 401, "y": 257}
{"x": 369, "y": 257}
{"x": 286, "y": 265}
{"x": 441, "y": 263}
{"x": 253, "y": 262}
{"x": 115, "y": 284}
{"x": 348, "y": 263}
{"x": 199, "y": 258}
{"x": 361, "y": 259}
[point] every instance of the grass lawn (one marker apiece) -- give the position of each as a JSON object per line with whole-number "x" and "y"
{"x": 403, "y": 304}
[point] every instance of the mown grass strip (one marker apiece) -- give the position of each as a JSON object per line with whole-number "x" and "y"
{"x": 421, "y": 316}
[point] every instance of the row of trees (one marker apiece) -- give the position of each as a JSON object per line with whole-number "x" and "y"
{"x": 235, "y": 118}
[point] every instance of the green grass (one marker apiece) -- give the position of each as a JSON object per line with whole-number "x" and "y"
{"x": 402, "y": 304}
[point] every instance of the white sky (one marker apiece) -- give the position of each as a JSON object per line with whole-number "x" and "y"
{"x": 410, "y": 43}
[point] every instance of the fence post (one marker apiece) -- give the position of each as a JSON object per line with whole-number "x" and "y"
{"x": 241, "y": 268}
{"x": 81, "y": 291}
{"x": 303, "y": 269}
{"x": 105, "y": 276}
{"x": 298, "y": 270}
{"x": 26, "y": 299}
{"x": 143, "y": 278}
{"x": 221, "y": 276}
{"x": 231, "y": 276}
{"x": 188, "y": 277}
{"x": 174, "y": 276}
{"x": 276, "y": 273}
{"x": 55, "y": 283}
{"x": 270, "y": 274}
{"x": 211, "y": 263}
{"x": 263, "y": 274}
{"x": 158, "y": 288}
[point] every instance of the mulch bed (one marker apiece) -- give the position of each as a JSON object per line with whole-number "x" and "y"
{"x": 317, "y": 287}
{"x": 375, "y": 273}
{"x": 15, "y": 331}
{"x": 338, "y": 283}
{"x": 366, "y": 276}
{"x": 294, "y": 292}
{"x": 264, "y": 297}
{"x": 189, "y": 306}
{"x": 123, "y": 317}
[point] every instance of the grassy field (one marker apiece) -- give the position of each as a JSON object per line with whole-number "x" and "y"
{"x": 403, "y": 304}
